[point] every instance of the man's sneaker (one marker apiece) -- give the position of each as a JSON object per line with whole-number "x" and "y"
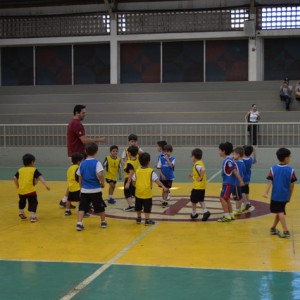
{"x": 22, "y": 216}
{"x": 274, "y": 231}
{"x": 33, "y": 219}
{"x": 68, "y": 213}
{"x": 206, "y": 215}
{"x": 237, "y": 212}
{"x": 195, "y": 216}
{"x": 138, "y": 220}
{"x": 62, "y": 204}
{"x": 103, "y": 224}
{"x": 225, "y": 219}
{"x": 129, "y": 208}
{"x": 79, "y": 227}
{"x": 285, "y": 234}
{"x": 149, "y": 222}
{"x": 86, "y": 215}
{"x": 165, "y": 204}
{"x": 111, "y": 201}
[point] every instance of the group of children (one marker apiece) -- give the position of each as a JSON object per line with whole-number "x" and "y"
{"x": 87, "y": 177}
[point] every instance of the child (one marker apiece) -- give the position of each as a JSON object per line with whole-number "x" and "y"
{"x": 238, "y": 194}
{"x": 132, "y": 141}
{"x": 131, "y": 165}
{"x": 160, "y": 148}
{"x": 91, "y": 180}
{"x": 142, "y": 179}
{"x": 73, "y": 184}
{"x": 248, "y": 161}
{"x": 229, "y": 175}
{"x": 282, "y": 178}
{"x": 112, "y": 165}
{"x": 199, "y": 185}
{"x": 165, "y": 167}
{"x": 25, "y": 179}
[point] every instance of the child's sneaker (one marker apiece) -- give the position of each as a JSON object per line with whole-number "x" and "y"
{"x": 129, "y": 208}
{"x": 237, "y": 212}
{"x": 68, "y": 213}
{"x": 33, "y": 219}
{"x": 195, "y": 216}
{"x": 224, "y": 219}
{"x": 111, "y": 201}
{"x": 164, "y": 204}
{"x": 149, "y": 222}
{"x": 86, "y": 215}
{"x": 285, "y": 234}
{"x": 79, "y": 227}
{"x": 103, "y": 224}
{"x": 248, "y": 205}
{"x": 206, "y": 215}
{"x": 22, "y": 216}
{"x": 274, "y": 231}
{"x": 138, "y": 220}
{"x": 62, "y": 204}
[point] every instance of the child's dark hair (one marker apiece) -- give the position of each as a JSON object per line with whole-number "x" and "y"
{"x": 28, "y": 159}
{"x": 132, "y": 137}
{"x": 133, "y": 150}
{"x": 91, "y": 149}
{"x": 227, "y": 147}
{"x": 248, "y": 150}
{"x": 144, "y": 159}
{"x": 161, "y": 144}
{"x": 78, "y": 108}
{"x": 282, "y": 153}
{"x": 197, "y": 153}
{"x": 76, "y": 157}
{"x": 239, "y": 151}
{"x": 111, "y": 148}
{"x": 168, "y": 148}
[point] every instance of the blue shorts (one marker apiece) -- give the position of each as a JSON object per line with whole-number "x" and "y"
{"x": 226, "y": 191}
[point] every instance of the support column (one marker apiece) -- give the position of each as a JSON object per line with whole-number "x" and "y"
{"x": 252, "y": 62}
{"x": 114, "y": 53}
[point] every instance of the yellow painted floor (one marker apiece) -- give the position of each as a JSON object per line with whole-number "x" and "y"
{"x": 242, "y": 244}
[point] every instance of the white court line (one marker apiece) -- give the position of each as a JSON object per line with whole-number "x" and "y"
{"x": 214, "y": 176}
{"x": 98, "y": 272}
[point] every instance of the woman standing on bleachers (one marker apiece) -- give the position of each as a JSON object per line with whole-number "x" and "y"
{"x": 252, "y": 117}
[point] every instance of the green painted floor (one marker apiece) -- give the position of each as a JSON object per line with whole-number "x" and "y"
{"x": 45, "y": 280}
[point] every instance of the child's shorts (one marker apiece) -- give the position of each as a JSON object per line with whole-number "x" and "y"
{"x": 129, "y": 192}
{"x": 236, "y": 193}
{"x": 197, "y": 196}
{"x": 110, "y": 180}
{"x": 226, "y": 191}
{"x": 143, "y": 203}
{"x": 277, "y": 207}
{"x": 245, "y": 189}
{"x": 74, "y": 196}
{"x": 167, "y": 183}
{"x": 95, "y": 198}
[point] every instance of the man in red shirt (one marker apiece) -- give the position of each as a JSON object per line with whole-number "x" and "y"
{"x": 76, "y": 138}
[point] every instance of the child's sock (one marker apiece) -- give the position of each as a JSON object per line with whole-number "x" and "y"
{"x": 205, "y": 210}
{"x": 193, "y": 212}
{"x": 64, "y": 199}
{"x": 32, "y": 214}
{"x": 21, "y": 211}
{"x": 110, "y": 196}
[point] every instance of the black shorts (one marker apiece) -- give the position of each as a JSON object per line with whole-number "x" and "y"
{"x": 277, "y": 207}
{"x": 245, "y": 189}
{"x": 94, "y": 198}
{"x": 197, "y": 196}
{"x": 143, "y": 203}
{"x": 32, "y": 201}
{"x": 74, "y": 196}
{"x": 110, "y": 180}
{"x": 236, "y": 193}
{"x": 167, "y": 183}
{"x": 128, "y": 193}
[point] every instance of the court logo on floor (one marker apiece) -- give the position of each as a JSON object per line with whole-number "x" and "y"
{"x": 180, "y": 208}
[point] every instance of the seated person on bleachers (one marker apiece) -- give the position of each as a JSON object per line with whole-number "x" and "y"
{"x": 297, "y": 91}
{"x": 286, "y": 94}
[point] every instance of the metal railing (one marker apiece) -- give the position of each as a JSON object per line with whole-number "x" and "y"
{"x": 179, "y": 135}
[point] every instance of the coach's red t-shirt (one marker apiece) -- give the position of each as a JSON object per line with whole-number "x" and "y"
{"x": 74, "y": 132}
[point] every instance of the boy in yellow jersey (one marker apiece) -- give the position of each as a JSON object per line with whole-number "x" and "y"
{"x": 142, "y": 179}
{"x": 132, "y": 141}
{"x": 112, "y": 166}
{"x": 131, "y": 164}
{"x": 25, "y": 179}
{"x": 73, "y": 182}
{"x": 199, "y": 185}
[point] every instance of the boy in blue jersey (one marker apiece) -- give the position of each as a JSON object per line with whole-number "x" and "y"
{"x": 165, "y": 166}
{"x": 160, "y": 148}
{"x": 281, "y": 178}
{"x": 249, "y": 160}
{"x": 238, "y": 194}
{"x": 229, "y": 176}
{"x": 91, "y": 180}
